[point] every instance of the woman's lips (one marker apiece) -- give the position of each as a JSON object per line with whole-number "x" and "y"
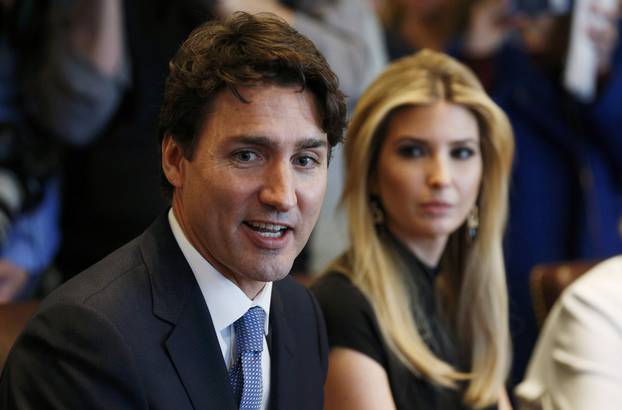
{"x": 436, "y": 208}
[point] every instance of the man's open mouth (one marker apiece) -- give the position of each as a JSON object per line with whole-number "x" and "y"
{"x": 268, "y": 230}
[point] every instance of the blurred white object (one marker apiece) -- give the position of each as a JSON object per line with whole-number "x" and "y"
{"x": 577, "y": 361}
{"x": 582, "y": 63}
{"x": 330, "y": 236}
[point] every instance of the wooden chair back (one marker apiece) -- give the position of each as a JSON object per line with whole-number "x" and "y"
{"x": 13, "y": 318}
{"x": 548, "y": 281}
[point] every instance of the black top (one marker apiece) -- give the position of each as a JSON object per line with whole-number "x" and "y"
{"x": 352, "y": 324}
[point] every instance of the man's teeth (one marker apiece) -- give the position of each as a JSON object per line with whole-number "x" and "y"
{"x": 272, "y": 234}
{"x": 268, "y": 230}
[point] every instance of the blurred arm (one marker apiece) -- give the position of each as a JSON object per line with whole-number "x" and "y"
{"x": 31, "y": 244}
{"x": 356, "y": 382}
{"x": 79, "y": 89}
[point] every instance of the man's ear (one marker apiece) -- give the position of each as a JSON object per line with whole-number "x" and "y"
{"x": 173, "y": 161}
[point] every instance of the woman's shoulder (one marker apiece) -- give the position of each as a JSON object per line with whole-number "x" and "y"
{"x": 350, "y": 319}
{"x": 335, "y": 289}
{"x": 332, "y": 279}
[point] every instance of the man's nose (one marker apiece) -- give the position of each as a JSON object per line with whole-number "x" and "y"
{"x": 278, "y": 190}
{"x": 439, "y": 172}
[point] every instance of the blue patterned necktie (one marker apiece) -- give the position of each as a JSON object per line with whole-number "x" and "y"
{"x": 245, "y": 374}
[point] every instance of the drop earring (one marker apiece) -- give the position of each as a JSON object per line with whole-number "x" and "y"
{"x": 473, "y": 222}
{"x": 376, "y": 210}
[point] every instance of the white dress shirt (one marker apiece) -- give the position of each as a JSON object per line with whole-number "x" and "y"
{"x": 226, "y": 303}
{"x": 577, "y": 362}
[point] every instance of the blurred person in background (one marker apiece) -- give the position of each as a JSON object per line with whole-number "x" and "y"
{"x": 412, "y": 25}
{"x": 416, "y": 309}
{"x": 60, "y": 76}
{"x": 566, "y": 189}
{"x": 469, "y": 30}
{"x": 346, "y": 31}
{"x": 112, "y": 185}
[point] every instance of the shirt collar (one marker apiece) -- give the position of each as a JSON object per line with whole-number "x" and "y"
{"x": 225, "y": 300}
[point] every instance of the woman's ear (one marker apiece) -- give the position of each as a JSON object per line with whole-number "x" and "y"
{"x": 373, "y": 184}
{"x": 173, "y": 161}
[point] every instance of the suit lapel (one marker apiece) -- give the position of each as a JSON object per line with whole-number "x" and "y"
{"x": 282, "y": 356}
{"x": 195, "y": 352}
{"x": 192, "y": 344}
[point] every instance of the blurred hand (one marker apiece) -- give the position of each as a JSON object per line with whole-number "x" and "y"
{"x": 489, "y": 25}
{"x": 96, "y": 31}
{"x": 12, "y": 280}
{"x": 226, "y": 7}
{"x": 604, "y": 33}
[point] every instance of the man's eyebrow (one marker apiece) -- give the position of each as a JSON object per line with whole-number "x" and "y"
{"x": 262, "y": 141}
{"x": 312, "y": 143}
{"x": 258, "y": 140}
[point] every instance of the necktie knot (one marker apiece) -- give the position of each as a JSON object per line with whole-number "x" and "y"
{"x": 249, "y": 330}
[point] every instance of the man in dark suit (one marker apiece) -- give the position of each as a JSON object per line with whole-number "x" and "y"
{"x": 197, "y": 312}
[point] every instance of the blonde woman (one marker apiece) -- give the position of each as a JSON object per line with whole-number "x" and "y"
{"x": 417, "y": 309}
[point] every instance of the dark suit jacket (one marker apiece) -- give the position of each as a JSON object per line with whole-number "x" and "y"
{"x": 134, "y": 332}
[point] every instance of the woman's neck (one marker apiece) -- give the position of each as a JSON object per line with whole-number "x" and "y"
{"x": 427, "y": 249}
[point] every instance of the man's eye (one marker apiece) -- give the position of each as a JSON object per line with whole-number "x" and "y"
{"x": 411, "y": 151}
{"x": 462, "y": 153}
{"x": 245, "y": 156}
{"x": 306, "y": 161}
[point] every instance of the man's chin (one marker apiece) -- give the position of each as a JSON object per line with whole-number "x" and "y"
{"x": 271, "y": 276}
{"x": 264, "y": 266}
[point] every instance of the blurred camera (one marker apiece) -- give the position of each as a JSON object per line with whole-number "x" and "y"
{"x": 538, "y": 7}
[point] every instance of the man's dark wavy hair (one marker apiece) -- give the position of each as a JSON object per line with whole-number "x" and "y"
{"x": 244, "y": 50}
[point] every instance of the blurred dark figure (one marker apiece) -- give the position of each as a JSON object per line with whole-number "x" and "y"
{"x": 412, "y": 25}
{"x": 566, "y": 190}
{"x": 45, "y": 103}
{"x": 469, "y": 30}
{"x": 112, "y": 186}
{"x": 26, "y": 157}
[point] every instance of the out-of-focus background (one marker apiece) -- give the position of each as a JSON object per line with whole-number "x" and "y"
{"x": 81, "y": 83}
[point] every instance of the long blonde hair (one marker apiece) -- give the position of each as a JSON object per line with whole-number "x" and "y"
{"x": 473, "y": 287}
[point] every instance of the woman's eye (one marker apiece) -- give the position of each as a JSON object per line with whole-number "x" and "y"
{"x": 462, "y": 153}
{"x": 411, "y": 151}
